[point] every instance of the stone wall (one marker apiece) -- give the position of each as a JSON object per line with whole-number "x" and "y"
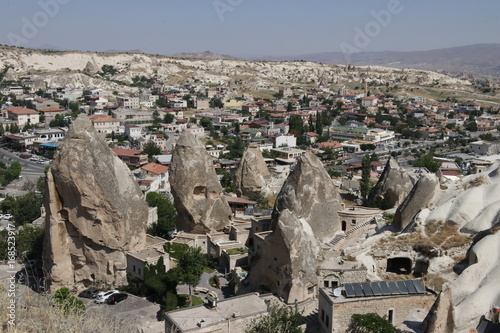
{"x": 328, "y": 277}
{"x": 339, "y": 312}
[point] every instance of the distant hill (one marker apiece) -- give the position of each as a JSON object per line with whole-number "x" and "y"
{"x": 478, "y": 59}
{"x": 207, "y": 55}
{"x": 135, "y": 51}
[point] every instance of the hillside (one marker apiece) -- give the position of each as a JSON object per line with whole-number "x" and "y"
{"x": 80, "y": 70}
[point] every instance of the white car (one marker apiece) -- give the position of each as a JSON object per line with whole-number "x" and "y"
{"x": 1, "y": 216}
{"x": 7, "y": 216}
{"x": 103, "y": 296}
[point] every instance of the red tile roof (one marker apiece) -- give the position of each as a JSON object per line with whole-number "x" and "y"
{"x": 127, "y": 152}
{"x": 51, "y": 110}
{"x": 21, "y": 110}
{"x": 155, "y": 168}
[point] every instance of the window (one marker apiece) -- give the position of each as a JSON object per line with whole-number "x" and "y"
{"x": 133, "y": 268}
{"x": 310, "y": 290}
{"x": 326, "y": 284}
{"x": 390, "y": 315}
{"x": 327, "y": 321}
{"x": 353, "y": 221}
{"x": 322, "y": 315}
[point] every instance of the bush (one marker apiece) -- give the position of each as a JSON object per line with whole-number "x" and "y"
{"x": 369, "y": 323}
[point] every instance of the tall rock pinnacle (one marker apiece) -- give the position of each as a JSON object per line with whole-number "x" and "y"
{"x": 196, "y": 189}
{"x": 95, "y": 212}
{"x": 252, "y": 175}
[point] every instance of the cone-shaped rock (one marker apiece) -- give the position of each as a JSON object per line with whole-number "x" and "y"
{"x": 394, "y": 184}
{"x": 252, "y": 175}
{"x": 304, "y": 216}
{"x": 420, "y": 196}
{"x": 91, "y": 67}
{"x": 95, "y": 212}
{"x": 310, "y": 194}
{"x": 197, "y": 193}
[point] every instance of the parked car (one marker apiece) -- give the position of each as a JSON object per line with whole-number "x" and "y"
{"x": 1, "y": 217}
{"x": 89, "y": 293}
{"x": 7, "y": 216}
{"x": 103, "y": 296}
{"x": 116, "y": 298}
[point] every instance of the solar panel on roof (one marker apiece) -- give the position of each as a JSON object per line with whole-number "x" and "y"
{"x": 385, "y": 288}
{"x": 358, "y": 290}
{"x": 410, "y": 287}
{"x": 349, "y": 290}
{"x": 402, "y": 287}
{"x": 419, "y": 286}
{"x": 393, "y": 288}
{"x": 367, "y": 288}
{"x": 377, "y": 290}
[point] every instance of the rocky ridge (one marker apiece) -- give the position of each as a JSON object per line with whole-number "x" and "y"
{"x": 72, "y": 70}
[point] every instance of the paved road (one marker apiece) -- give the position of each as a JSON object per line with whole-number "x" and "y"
{"x": 30, "y": 171}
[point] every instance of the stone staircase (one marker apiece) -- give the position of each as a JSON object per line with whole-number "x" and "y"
{"x": 338, "y": 237}
{"x": 372, "y": 221}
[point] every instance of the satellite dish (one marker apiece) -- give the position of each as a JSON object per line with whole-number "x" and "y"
{"x": 337, "y": 292}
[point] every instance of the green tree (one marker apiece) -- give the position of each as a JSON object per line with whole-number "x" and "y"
{"x": 25, "y": 208}
{"x": 365, "y": 176}
{"x": 206, "y": 123}
{"x": 151, "y": 148}
{"x": 166, "y": 214}
{"x": 190, "y": 267}
{"x": 68, "y": 304}
{"x": 319, "y": 124}
{"x": 279, "y": 319}
{"x": 168, "y": 118}
{"x": 216, "y": 103}
{"x": 369, "y": 323}
{"x": 29, "y": 242}
{"x": 428, "y": 161}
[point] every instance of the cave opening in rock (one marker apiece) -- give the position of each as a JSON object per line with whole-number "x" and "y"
{"x": 400, "y": 265}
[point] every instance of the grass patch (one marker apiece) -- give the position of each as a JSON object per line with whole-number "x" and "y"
{"x": 175, "y": 249}
{"x": 207, "y": 269}
{"x": 240, "y": 250}
{"x": 184, "y": 300}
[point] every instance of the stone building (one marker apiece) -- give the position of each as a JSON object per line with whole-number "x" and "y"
{"x": 392, "y": 300}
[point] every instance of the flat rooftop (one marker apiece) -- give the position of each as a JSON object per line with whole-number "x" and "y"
{"x": 240, "y": 306}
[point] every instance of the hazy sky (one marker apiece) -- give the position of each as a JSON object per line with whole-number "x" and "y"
{"x": 249, "y": 27}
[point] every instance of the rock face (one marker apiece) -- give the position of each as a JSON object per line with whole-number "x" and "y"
{"x": 469, "y": 296}
{"x": 304, "y": 216}
{"x": 472, "y": 203}
{"x": 198, "y": 198}
{"x": 252, "y": 175}
{"x": 394, "y": 185}
{"x": 91, "y": 67}
{"x": 420, "y": 197}
{"x": 310, "y": 194}
{"x": 95, "y": 212}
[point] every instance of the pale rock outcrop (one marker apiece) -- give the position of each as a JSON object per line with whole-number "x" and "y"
{"x": 197, "y": 193}
{"x": 393, "y": 185}
{"x": 92, "y": 67}
{"x": 419, "y": 197}
{"x": 95, "y": 212}
{"x": 472, "y": 203}
{"x": 310, "y": 194}
{"x": 252, "y": 175}
{"x": 470, "y": 296}
{"x": 304, "y": 216}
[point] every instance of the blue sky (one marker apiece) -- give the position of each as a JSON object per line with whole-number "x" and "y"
{"x": 248, "y": 27}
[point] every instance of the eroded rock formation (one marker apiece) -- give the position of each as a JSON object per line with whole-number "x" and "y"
{"x": 419, "y": 197}
{"x": 470, "y": 296}
{"x": 197, "y": 193}
{"x": 394, "y": 184}
{"x": 310, "y": 194}
{"x": 252, "y": 175}
{"x": 95, "y": 212}
{"x": 304, "y": 216}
